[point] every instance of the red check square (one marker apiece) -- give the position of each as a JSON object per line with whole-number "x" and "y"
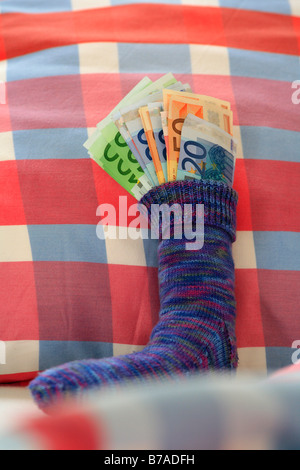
{"x": 11, "y": 202}
{"x": 18, "y": 314}
{"x": 73, "y": 301}
{"x": 101, "y": 93}
{"x": 58, "y": 191}
{"x": 249, "y": 326}
{"x": 274, "y": 189}
{"x": 280, "y": 300}
{"x": 43, "y": 103}
{"x": 133, "y": 316}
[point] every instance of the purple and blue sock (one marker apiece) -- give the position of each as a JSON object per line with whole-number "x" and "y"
{"x": 196, "y": 329}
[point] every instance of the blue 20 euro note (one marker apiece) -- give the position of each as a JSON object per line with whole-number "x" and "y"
{"x": 206, "y": 152}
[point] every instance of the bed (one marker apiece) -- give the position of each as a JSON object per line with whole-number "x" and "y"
{"x": 64, "y": 65}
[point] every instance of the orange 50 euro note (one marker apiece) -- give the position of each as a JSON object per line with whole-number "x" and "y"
{"x": 179, "y": 105}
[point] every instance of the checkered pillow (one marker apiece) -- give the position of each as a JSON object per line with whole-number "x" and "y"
{"x": 64, "y": 293}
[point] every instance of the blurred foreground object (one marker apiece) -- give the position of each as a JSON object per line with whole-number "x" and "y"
{"x": 200, "y": 412}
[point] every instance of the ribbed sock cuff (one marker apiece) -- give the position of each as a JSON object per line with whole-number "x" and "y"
{"x": 219, "y": 200}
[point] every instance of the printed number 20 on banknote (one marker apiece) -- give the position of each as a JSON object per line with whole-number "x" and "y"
{"x": 206, "y": 151}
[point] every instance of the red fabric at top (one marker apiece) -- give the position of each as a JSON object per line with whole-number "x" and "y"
{"x": 145, "y": 23}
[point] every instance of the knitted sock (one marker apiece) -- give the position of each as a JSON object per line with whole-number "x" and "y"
{"x": 196, "y": 330}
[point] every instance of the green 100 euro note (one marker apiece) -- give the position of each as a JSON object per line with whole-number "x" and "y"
{"x": 113, "y": 155}
{"x": 108, "y": 148}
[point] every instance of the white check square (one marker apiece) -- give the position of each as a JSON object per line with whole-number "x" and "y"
{"x": 243, "y": 251}
{"x": 89, "y": 4}
{"x": 99, "y": 57}
{"x": 15, "y": 244}
{"x": 209, "y": 60}
{"x": 122, "y": 349}
{"x": 20, "y": 357}
{"x": 252, "y": 360}
{"x": 7, "y": 150}
{"x": 123, "y": 250}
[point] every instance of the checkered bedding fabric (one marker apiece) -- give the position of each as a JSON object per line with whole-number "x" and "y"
{"x": 65, "y": 64}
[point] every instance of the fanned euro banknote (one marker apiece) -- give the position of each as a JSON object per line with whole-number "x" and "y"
{"x": 206, "y": 152}
{"x": 161, "y": 131}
